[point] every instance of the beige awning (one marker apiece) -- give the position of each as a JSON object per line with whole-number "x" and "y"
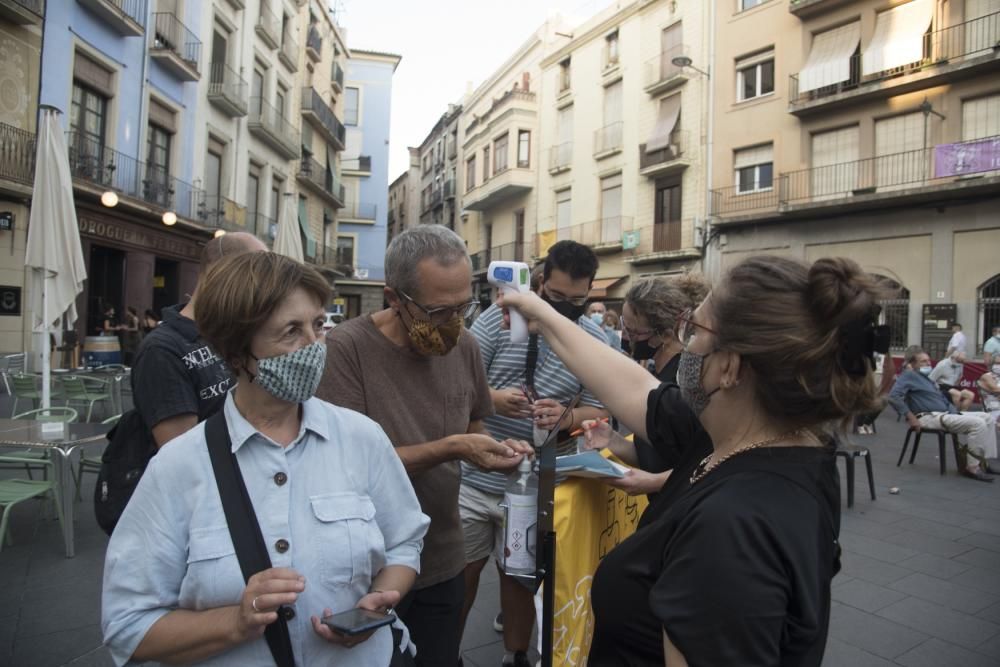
{"x": 670, "y": 111}
{"x": 599, "y": 288}
{"x": 899, "y": 37}
{"x": 829, "y": 61}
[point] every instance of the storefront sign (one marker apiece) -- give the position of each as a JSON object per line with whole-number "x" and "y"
{"x": 148, "y": 240}
{"x": 630, "y": 240}
{"x": 966, "y": 157}
{"x": 10, "y": 300}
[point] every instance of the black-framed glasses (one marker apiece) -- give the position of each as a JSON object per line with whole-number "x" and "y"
{"x": 634, "y": 335}
{"x": 687, "y": 327}
{"x": 559, "y": 298}
{"x": 438, "y": 316}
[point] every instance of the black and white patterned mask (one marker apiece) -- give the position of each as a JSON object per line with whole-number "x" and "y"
{"x": 293, "y": 377}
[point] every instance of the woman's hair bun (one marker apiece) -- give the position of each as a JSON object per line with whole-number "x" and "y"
{"x": 839, "y": 291}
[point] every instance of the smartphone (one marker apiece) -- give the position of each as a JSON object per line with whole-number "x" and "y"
{"x": 358, "y": 621}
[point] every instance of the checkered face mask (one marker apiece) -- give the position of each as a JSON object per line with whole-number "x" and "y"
{"x": 293, "y": 377}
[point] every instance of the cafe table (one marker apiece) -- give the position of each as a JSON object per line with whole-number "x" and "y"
{"x": 64, "y": 443}
{"x": 114, "y": 377}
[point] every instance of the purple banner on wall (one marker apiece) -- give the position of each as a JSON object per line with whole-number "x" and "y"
{"x": 967, "y": 157}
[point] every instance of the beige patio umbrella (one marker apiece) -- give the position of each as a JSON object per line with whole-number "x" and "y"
{"x": 53, "y": 252}
{"x": 287, "y": 241}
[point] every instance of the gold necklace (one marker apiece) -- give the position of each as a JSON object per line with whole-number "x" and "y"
{"x": 702, "y": 469}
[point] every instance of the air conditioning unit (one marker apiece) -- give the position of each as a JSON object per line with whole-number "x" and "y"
{"x": 361, "y": 274}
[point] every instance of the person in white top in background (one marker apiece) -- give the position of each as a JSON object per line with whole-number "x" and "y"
{"x": 957, "y": 342}
{"x": 947, "y": 374}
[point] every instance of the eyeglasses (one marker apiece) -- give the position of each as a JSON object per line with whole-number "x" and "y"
{"x": 687, "y": 327}
{"x": 439, "y": 316}
{"x": 559, "y": 298}
{"x": 633, "y": 334}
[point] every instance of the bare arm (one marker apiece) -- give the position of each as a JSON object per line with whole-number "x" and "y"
{"x": 617, "y": 381}
{"x": 988, "y": 384}
{"x": 168, "y": 429}
{"x": 673, "y": 656}
{"x": 398, "y": 578}
{"x": 184, "y": 636}
{"x": 475, "y": 447}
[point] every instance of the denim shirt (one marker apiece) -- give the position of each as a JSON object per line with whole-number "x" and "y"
{"x": 915, "y": 393}
{"x": 346, "y": 508}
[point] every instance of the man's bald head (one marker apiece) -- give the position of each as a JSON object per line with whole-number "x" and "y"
{"x": 233, "y": 243}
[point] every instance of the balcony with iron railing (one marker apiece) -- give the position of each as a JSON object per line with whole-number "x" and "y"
{"x": 269, "y": 124}
{"x": 957, "y": 51}
{"x": 101, "y": 168}
{"x": 560, "y": 157}
{"x": 608, "y": 140}
{"x": 319, "y": 113}
{"x": 602, "y": 236}
{"x": 357, "y": 166}
{"x": 809, "y": 8}
{"x": 745, "y": 200}
{"x": 452, "y": 148}
{"x": 514, "y": 98}
{"x": 227, "y": 90}
{"x": 665, "y": 240}
{"x": 661, "y": 72}
{"x": 17, "y": 157}
{"x": 262, "y": 226}
{"x": 501, "y": 186}
{"x": 220, "y": 212}
{"x": 126, "y": 17}
{"x": 449, "y": 188}
{"x": 354, "y": 210}
{"x": 337, "y": 77}
{"x": 268, "y": 26}
{"x": 175, "y": 47}
{"x": 505, "y": 252}
{"x": 314, "y": 44}
{"x": 321, "y": 179}
{"x": 671, "y": 159}
{"x": 288, "y": 54}
{"x": 23, "y": 12}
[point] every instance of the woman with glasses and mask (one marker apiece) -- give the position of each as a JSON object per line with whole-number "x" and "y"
{"x": 737, "y": 570}
{"x": 339, "y": 518}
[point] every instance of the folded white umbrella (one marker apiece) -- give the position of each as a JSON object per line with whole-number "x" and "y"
{"x": 53, "y": 253}
{"x": 287, "y": 241}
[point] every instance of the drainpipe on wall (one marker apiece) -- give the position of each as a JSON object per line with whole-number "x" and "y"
{"x": 707, "y": 231}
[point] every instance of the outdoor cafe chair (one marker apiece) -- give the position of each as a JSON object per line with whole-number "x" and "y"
{"x": 15, "y": 491}
{"x": 91, "y": 463}
{"x": 10, "y": 364}
{"x": 54, "y": 414}
{"x": 86, "y": 390}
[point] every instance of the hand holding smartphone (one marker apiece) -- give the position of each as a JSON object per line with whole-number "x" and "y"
{"x": 358, "y": 621}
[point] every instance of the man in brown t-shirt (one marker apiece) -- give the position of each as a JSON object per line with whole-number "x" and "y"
{"x": 414, "y": 370}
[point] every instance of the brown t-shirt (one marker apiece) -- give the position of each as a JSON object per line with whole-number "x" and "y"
{"x": 415, "y": 399}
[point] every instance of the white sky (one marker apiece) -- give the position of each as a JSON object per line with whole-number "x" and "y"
{"x": 444, "y": 44}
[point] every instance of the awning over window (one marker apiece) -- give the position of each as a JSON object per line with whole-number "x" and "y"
{"x": 670, "y": 111}
{"x": 310, "y": 242}
{"x": 599, "y": 288}
{"x": 899, "y": 37}
{"x": 829, "y": 61}
{"x": 750, "y": 157}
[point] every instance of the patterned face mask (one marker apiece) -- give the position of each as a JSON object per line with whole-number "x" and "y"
{"x": 689, "y": 373}
{"x": 431, "y": 340}
{"x": 292, "y": 377}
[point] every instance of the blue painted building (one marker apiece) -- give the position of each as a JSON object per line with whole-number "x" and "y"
{"x": 124, "y": 74}
{"x": 361, "y": 226}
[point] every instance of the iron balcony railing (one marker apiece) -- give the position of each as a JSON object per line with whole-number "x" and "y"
{"x": 360, "y": 163}
{"x": 272, "y": 122}
{"x": 133, "y": 9}
{"x": 675, "y": 149}
{"x": 449, "y": 188}
{"x": 95, "y": 163}
{"x": 17, "y": 155}
{"x": 560, "y": 156}
{"x": 314, "y": 42}
{"x": 289, "y": 52}
{"x": 739, "y": 199}
{"x": 595, "y": 233}
{"x": 359, "y": 210}
{"x": 262, "y": 226}
{"x": 36, "y": 7}
{"x": 222, "y": 213}
{"x": 268, "y": 26}
{"x": 661, "y": 69}
{"x": 506, "y": 252}
{"x": 452, "y": 147}
{"x": 169, "y": 34}
{"x": 312, "y": 102}
{"x": 969, "y": 39}
{"x": 337, "y": 75}
{"x": 321, "y": 177}
{"x": 608, "y": 138}
{"x": 667, "y": 235}
{"x": 225, "y": 83}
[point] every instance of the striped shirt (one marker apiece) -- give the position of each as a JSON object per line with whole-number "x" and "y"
{"x": 505, "y": 367}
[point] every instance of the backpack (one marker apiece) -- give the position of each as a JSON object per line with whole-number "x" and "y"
{"x": 130, "y": 448}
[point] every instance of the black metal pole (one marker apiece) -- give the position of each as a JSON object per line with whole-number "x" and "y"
{"x": 548, "y": 597}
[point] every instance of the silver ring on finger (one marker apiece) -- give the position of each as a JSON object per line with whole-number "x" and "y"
{"x": 253, "y": 604}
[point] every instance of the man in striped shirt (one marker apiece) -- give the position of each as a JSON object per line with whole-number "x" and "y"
{"x": 566, "y": 279}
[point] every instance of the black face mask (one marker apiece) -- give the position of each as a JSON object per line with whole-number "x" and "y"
{"x": 641, "y": 349}
{"x": 564, "y": 308}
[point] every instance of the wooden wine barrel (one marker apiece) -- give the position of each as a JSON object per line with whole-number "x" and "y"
{"x": 101, "y": 350}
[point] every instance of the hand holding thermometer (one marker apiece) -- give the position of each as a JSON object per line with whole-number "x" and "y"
{"x": 512, "y": 277}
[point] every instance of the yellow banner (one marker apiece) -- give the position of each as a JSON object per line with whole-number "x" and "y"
{"x": 591, "y": 519}
{"x": 545, "y": 241}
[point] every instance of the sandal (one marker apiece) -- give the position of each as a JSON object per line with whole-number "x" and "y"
{"x": 976, "y": 474}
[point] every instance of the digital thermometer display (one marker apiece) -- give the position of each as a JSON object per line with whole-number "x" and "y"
{"x": 503, "y": 274}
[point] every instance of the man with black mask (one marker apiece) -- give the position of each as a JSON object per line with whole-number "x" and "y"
{"x": 511, "y": 368}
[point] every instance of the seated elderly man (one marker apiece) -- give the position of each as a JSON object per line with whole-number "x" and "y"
{"x": 947, "y": 375}
{"x": 917, "y": 397}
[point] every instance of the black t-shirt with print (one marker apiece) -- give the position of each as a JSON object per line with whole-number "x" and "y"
{"x": 177, "y": 373}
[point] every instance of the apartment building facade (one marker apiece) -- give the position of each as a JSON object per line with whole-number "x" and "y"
{"x": 20, "y": 59}
{"x": 404, "y": 198}
{"x": 623, "y": 126}
{"x": 361, "y": 232}
{"x": 439, "y": 167}
{"x": 871, "y": 130}
{"x": 500, "y": 156}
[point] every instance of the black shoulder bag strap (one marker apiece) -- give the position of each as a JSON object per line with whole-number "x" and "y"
{"x": 243, "y": 527}
{"x": 530, "y": 361}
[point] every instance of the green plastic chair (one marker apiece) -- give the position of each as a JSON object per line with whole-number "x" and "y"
{"x": 14, "y": 491}
{"x": 91, "y": 463}
{"x": 86, "y": 390}
{"x": 53, "y": 414}
{"x": 25, "y": 387}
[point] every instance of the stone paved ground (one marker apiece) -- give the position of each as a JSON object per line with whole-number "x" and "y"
{"x": 920, "y": 585}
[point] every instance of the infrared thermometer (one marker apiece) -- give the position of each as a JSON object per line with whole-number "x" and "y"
{"x": 512, "y": 277}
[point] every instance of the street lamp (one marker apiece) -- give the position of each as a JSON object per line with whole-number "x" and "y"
{"x": 169, "y": 218}
{"x": 685, "y": 61}
{"x": 220, "y": 232}
{"x": 110, "y": 199}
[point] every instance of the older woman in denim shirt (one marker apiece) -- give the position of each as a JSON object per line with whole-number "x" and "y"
{"x": 339, "y": 517}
